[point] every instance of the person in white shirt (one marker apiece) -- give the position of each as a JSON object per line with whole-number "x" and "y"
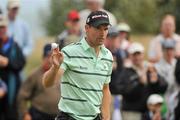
{"x": 124, "y": 35}
{"x": 167, "y": 33}
{"x": 166, "y": 68}
{"x": 19, "y": 29}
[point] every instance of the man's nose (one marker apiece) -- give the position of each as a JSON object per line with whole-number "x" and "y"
{"x": 102, "y": 32}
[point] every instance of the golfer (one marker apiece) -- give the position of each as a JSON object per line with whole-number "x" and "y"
{"x": 84, "y": 69}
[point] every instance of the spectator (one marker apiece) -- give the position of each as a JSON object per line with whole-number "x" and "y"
{"x": 177, "y": 108}
{"x": 18, "y": 29}
{"x": 43, "y": 101}
{"x": 137, "y": 82}
{"x": 166, "y": 67}
{"x": 112, "y": 42}
{"x": 0, "y": 11}
{"x": 73, "y": 32}
{"x": 177, "y": 98}
{"x": 11, "y": 63}
{"x": 167, "y": 33}
{"x": 3, "y": 90}
{"x": 94, "y": 5}
{"x": 154, "y": 104}
{"x": 124, "y": 34}
{"x": 177, "y": 71}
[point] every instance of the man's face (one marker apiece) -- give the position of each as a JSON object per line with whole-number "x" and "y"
{"x": 97, "y": 35}
{"x": 168, "y": 26}
{"x": 47, "y": 62}
{"x": 155, "y": 108}
{"x": 123, "y": 35}
{"x": 169, "y": 53}
{"x": 2, "y": 31}
{"x": 112, "y": 43}
{"x": 115, "y": 41}
{"x": 13, "y": 12}
{"x": 73, "y": 25}
{"x": 137, "y": 58}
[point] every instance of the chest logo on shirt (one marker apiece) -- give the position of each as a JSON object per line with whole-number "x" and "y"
{"x": 83, "y": 68}
{"x": 104, "y": 68}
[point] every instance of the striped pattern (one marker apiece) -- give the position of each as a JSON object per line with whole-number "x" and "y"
{"x": 87, "y": 73}
{"x": 83, "y": 80}
{"x": 84, "y": 57}
{"x": 86, "y": 89}
{"x": 73, "y": 99}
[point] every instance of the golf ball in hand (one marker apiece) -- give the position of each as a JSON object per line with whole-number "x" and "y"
{"x": 54, "y": 45}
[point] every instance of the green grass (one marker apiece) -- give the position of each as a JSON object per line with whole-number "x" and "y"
{"x": 144, "y": 40}
{"x": 34, "y": 60}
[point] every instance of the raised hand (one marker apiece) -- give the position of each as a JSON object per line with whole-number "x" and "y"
{"x": 57, "y": 57}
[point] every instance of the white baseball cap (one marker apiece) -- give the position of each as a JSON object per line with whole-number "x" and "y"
{"x": 13, "y": 4}
{"x": 3, "y": 21}
{"x": 135, "y": 47}
{"x": 154, "y": 99}
{"x": 123, "y": 27}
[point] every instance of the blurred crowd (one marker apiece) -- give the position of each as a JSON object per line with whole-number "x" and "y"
{"x": 142, "y": 89}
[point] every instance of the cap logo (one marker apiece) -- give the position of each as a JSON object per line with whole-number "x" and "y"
{"x": 88, "y": 20}
{"x": 98, "y": 16}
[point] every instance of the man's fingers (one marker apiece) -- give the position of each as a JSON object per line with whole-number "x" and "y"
{"x": 56, "y": 50}
{"x": 61, "y": 53}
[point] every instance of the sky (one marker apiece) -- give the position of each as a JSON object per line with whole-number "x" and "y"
{"x": 31, "y": 11}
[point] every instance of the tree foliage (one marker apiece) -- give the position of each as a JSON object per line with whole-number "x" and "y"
{"x": 142, "y": 15}
{"x": 59, "y": 9}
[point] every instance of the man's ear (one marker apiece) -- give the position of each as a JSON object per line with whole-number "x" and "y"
{"x": 87, "y": 27}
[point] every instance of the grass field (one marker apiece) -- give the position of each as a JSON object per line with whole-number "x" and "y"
{"x": 34, "y": 60}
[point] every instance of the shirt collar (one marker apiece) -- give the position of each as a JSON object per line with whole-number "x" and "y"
{"x": 86, "y": 46}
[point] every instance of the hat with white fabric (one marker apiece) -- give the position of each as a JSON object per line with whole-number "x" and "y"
{"x": 3, "y": 21}
{"x": 135, "y": 47}
{"x": 154, "y": 99}
{"x": 13, "y": 4}
{"x": 123, "y": 27}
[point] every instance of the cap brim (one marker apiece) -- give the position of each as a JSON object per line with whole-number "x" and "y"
{"x": 134, "y": 52}
{"x": 14, "y": 5}
{"x": 100, "y": 22}
{"x": 112, "y": 34}
{"x": 3, "y": 24}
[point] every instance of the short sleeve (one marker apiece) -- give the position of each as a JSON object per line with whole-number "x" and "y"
{"x": 108, "y": 79}
{"x": 66, "y": 60}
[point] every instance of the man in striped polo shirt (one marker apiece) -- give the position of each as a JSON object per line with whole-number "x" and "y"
{"x": 85, "y": 68}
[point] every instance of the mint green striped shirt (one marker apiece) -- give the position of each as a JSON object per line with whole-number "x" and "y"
{"x": 84, "y": 77}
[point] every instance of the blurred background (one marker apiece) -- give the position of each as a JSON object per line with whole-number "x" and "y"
{"x": 144, "y": 36}
{"x": 46, "y": 18}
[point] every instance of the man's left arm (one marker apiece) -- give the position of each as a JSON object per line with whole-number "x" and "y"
{"x": 106, "y": 102}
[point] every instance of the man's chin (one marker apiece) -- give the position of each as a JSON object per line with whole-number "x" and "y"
{"x": 101, "y": 43}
